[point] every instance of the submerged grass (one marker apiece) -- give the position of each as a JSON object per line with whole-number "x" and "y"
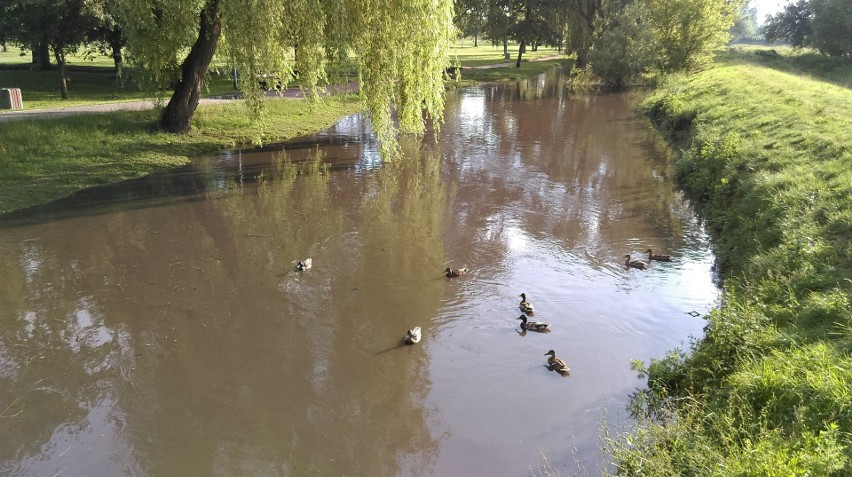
{"x": 768, "y": 389}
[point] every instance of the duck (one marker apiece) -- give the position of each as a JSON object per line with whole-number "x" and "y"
{"x": 634, "y": 263}
{"x": 304, "y": 264}
{"x": 539, "y": 326}
{"x": 556, "y": 364}
{"x": 659, "y": 258}
{"x": 459, "y": 272}
{"x": 413, "y": 335}
{"x": 525, "y": 306}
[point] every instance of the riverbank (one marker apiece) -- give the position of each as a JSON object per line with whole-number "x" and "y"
{"x": 52, "y": 153}
{"x": 42, "y": 160}
{"x": 767, "y": 390}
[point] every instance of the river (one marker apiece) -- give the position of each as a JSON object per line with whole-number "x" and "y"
{"x": 159, "y": 327}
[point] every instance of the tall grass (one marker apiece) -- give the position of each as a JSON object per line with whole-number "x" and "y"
{"x": 768, "y": 389}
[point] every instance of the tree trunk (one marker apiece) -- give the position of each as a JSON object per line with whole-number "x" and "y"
{"x": 475, "y": 38}
{"x": 117, "y": 59}
{"x": 177, "y": 116}
{"x": 505, "y": 47}
{"x": 44, "y": 55}
{"x": 60, "y": 62}
{"x": 520, "y": 53}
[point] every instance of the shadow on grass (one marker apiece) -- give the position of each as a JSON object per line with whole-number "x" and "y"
{"x": 800, "y": 62}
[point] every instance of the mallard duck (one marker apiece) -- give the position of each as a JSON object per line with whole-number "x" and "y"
{"x": 556, "y": 364}
{"x": 634, "y": 263}
{"x": 459, "y": 272}
{"x": 524, "y": 305}
{"x": 304, "y": 264}
{"x": 659, "y": 258}
{"x": 413, "y": 335}
{"x": 539, "y": 326}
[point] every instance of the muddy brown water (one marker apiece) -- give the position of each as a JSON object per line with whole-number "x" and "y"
{"x": 158, "y": 328}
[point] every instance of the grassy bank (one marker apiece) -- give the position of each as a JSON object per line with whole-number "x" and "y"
{"x": 768, "y": 390}
{"x": 47, "y": 159}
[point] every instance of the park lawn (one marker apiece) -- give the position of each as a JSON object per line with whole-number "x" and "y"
{"x": 487, "y": 54}
{"x": 472, "y": 58}
{"x": 48, "y": 159}
{"x": 767, "y": 151}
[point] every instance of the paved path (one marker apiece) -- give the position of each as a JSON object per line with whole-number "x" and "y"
{"x": 89, "y": 108}
{"x": 289, "y": 93}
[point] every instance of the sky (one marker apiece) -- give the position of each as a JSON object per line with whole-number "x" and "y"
{"x": 767, "y": 7}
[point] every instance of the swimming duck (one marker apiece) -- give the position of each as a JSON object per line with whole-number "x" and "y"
{"x": 304, "y": 265}
{"x": 539, "y": 326}
{"x": 556, "y": 364}
{"x": 413, "y": 335}
{"x": 525, "y": 306}
{"x": 635, "y": 263}
{"x": 459, "y": 272}
{"x": 659, "y": 258}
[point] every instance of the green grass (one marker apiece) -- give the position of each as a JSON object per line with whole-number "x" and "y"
{"x": 768, "y": 390}
{"x": 470, "y": 57}
{"x": 803, "y": 62}
{"x": 47, "y": 159}
{"x": 487, "y": 54}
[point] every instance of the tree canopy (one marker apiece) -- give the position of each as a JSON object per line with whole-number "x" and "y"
{"x": 49, "y": 26}
{"x": 632, "y": 37}
{"x": 822, "y": 24}
{"x": 401, "y": 48}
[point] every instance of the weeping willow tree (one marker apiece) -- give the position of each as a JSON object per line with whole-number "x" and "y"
{"x": 401, "y": 48}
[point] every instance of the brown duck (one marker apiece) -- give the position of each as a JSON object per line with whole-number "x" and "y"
{"x": 634, "y": 263}
{"x": 659, "y": 258}
{"x": 539, "y": 326}
{"x": 459, "y": 272}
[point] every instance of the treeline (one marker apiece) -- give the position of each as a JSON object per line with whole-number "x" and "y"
{"x": 54, "y": 30}
{"x": 621, "y": 41}
{"x": 825, "y": 25}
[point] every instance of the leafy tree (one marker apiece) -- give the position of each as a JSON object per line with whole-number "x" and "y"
{"x": 471, "y": 17}
{"x": 686, "y": 32}
{"x": 832, "y": 27}
{"x": 106, "y": 37}
{"x": 402, "y": 49}
{"x": 584, "y": 16}
{"x": 822, "y": 24}
{"x": 55, "y": 26}
{"x": 499, "y": 18}
{"x": 623, "y": 46}
{"x": 793, "y": 25}
{"x": 532, "y": 26}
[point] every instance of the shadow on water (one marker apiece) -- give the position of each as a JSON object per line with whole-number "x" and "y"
{"x": 205, "y": 177}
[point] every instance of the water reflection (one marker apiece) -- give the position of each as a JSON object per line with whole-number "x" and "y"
{"x": 160, "y": 328}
